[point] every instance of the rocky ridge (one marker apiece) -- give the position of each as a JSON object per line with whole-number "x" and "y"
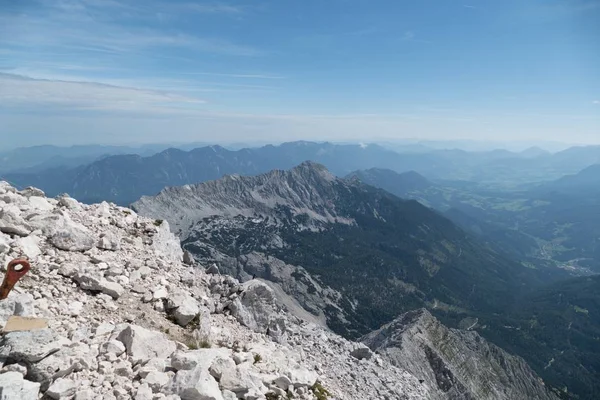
{"x": 452, "y": 358}
{"x": 128, "y": 319}
{"x": 307, "y": 189}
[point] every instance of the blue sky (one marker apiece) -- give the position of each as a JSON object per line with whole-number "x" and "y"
{"x": 110, "y": 71}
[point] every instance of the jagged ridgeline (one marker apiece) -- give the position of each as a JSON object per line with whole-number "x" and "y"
{"x": 351, "y": 254}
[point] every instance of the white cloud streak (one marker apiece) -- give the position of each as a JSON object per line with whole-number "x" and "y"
{"x": 95, "y": 26}
{"x": 19, "y": 91}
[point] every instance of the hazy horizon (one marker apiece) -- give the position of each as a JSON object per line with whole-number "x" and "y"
{"x": 466, "y": 144}
{"x": 117, "y": 72}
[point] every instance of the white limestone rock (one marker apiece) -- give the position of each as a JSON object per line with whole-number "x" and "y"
{"x": 241, "y": 380}
{"x": 143, "y": 344}
{"x": 31, "y": 191}
{"x": 112, "y": 347}
{"x": 156, "y": 380}
{"x": 144, "y": 392}
{"x": 220, "y": 366}
{"x": 188, "y": 360}
{"x": 183, "y": 307}
{"x": 5, "y": 242}
{"x": 13, "y": 386}
{"x": 30, "y": 346}
{"x": 113, "y": 289}
{"x": 109, "y": 242}
{"x": 12, "y": 223}
{"x": 69, "y": 202}
{"x": 301, "y": 377}
{"x": 71, "y": 236}
{"x": 195, "y": 384}
{"x": 29, "y": 246}
{"x": 40, "y": 203}
{"x": 258, "y": 309}
{"x": 62, "y": 389}
{"x": 21, "y": 304}
{"x": 75, "y": 308}
{"x": 165, "y": 244}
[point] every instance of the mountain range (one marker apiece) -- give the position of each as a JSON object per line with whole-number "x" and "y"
{"x": 356, "y": 257}
{"x": 124, "y": 178}
{"x": 121, "y": 312}
{"x": 352, "y": 238}
{"x": 496, "y": 242}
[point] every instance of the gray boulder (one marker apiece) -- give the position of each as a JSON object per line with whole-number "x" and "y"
{"x": 240, "y": 380}
{"x": 12, "y": 223}
{"x": 362, "y": 353}
{"x": 258, "y": 309}
{"x": 195, "y": 384}
{"x": 30, "y": 346}
{"x": 31, "y": 191}
{"x": 13, "y": 387}
{"x": 142, "y": 344}
{"x": 188, "y": 360}
{"x": 183, "y": 307}
{"x": 188, "y": 258}
{"x": 5, "y": 241}
{"x": 91, "y": 279}
{"x": 20, "y": 304}
{"x": 62, "y": 389}
{"x": 163, "y": 242}
{"x": 109, "y": 242}
{"x": 69, "y": 202}
{"x": 71, "y": 236}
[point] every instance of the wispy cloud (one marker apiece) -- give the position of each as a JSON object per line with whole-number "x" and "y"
{"x": 241, "y": 76}
{"x": 211, "y": 8}
{"x": 19, "y": 91}
{"x": 596, "y": 102}
{"x": 469, "y": 6}
{"x": 411, "y": 36}
{"x": 408, "y": 35}
{"x": 98, "y": 26}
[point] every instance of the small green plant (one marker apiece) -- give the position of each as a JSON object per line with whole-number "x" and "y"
{"x": 167, "y": 331}
{"x": 158, "y": 222}
{"x": 192, "y": 346}
{"x": 319, "y": 391}
{"x": 272, "y": 396}
{"x": 257, "y": 358}
{"x": 205, "y": 344}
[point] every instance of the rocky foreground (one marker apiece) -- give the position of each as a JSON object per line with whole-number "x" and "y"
{"x": 128, "y": 319}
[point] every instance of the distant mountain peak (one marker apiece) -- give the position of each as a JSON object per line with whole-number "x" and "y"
{"x": 315, "y": 169}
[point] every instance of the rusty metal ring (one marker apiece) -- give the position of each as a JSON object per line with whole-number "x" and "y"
{"x": 15, "y": 270}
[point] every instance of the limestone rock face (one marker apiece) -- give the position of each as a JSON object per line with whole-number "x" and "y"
{"x": 256, "y": 306}
{"x": 459, "y": 364}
